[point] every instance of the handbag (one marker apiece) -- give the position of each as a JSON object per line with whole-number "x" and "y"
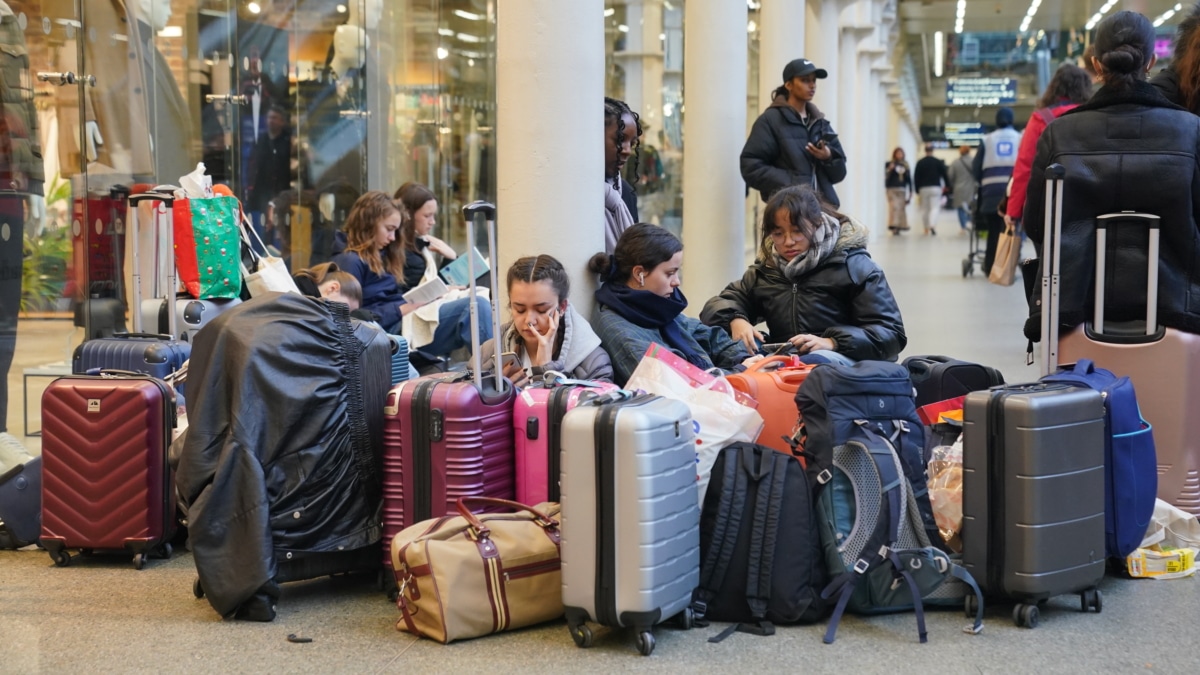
{"x": 1008, "y": 254}
{"x": 270, "y": 273}
{"x": 471, "y": 575}
{"x": 208, "y": 246}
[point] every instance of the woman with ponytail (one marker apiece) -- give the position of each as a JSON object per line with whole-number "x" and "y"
{"x": 1128, "y": 148}
{"x": 546, "y": 333}
{"x": 639, "y": 302}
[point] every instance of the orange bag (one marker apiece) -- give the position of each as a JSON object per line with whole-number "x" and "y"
{"x": 775, "y": 391}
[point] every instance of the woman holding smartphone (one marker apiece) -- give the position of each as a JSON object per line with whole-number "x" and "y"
{"x": 546, "y": 333}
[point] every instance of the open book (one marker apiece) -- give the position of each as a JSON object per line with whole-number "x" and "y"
{"x": 427, "y": 292}
{"x": 456, "y": 273}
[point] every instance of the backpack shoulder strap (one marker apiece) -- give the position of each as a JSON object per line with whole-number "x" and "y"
{"x": 725, "y": 528}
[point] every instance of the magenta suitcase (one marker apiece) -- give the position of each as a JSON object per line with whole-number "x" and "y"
{"x": 447, "y": 435}
{"x": 537, "y": 424}
{"x": 106, "y": 481}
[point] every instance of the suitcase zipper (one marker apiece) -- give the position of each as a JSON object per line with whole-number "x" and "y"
{"x": 556, "y": 409}
{"x": 422, "y": 451}
{"x": 995, "y": 495}
{"x": 532, "y": 569}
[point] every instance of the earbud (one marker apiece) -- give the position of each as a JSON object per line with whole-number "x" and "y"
{"x": 642, "y": 279}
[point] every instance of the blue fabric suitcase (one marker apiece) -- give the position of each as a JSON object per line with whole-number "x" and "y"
{"x": 21, "y": 504}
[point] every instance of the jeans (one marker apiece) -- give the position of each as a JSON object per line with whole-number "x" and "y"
{"x": 964, "y": 217}
{"x": 454, "y": 326}
{"x": 827, "y": 356}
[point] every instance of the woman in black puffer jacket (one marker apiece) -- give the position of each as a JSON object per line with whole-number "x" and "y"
{"x": 1127, "y": 149}
{"x": 815, "y": 286}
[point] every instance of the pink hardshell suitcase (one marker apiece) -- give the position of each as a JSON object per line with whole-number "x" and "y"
{"x": 448, "y": 435}
{"x": 1161, "y": 362}
{"x": 537, "y": 422}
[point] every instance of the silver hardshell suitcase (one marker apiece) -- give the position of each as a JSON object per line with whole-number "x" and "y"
{"x": 630, "y": 520}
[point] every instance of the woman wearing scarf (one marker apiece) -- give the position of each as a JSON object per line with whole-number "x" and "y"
{"x": 814, "y": 285}
{"x": 639, "y": 302}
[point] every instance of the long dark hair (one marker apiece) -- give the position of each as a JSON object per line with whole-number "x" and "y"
{"x": 804, "y": 207}
{"x": 1124, "y": 45}
{"x": 643, "y": 244}
{"x": 413, "y": 195}
{"x": 1070, "y": 83}
{"x": 1187, "y": 59}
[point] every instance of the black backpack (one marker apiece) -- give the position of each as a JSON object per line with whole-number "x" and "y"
{"x": 836, "y": 402}
{"x": 938, "y": 378}
{"x": 760, "y": 550}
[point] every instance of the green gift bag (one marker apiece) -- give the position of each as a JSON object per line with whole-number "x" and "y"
{"x": 208, "y": 246}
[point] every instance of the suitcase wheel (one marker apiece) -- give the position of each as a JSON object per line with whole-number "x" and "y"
{"x": 582, "y": 636}
{"x": 197, "y": 589}
{"x": 139, "y": 561}
{"x": 1091, "y": 599}
{"x": 1026, "y": 616}
{"x": 645, "y": 643}
{"x": 61, "y": 558}
{"x": 968, "y": 268}
{"x": 686, "y": 618}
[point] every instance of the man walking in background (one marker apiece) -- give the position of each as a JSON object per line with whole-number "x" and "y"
{"x": 963, "y": 186}
{"x": 993, "y": 168}
{"x": 930, "y": 181}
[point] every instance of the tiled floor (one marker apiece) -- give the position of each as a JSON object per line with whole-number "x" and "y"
{"x": 101, "y": 616}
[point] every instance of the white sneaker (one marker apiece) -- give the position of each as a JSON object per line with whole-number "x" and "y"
{"x": 12, "y": 452}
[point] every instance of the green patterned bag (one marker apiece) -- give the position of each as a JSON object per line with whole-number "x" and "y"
{"x": 208, "y": 246}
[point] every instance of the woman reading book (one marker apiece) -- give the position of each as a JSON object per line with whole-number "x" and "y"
{"x": 372, "y": 258}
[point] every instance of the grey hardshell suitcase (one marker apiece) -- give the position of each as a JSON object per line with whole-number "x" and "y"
{"x": 1033, "y": 494}
{"x": 630, "y": 519}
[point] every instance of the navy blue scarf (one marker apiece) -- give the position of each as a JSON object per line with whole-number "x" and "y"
{"x": 649, "y": 310}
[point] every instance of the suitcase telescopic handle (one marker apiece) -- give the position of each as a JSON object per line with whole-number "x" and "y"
{"x": 1055, "y": 173}
{"x": 151, "y": 336}
{"x": 1154, "y": 224}
{"x": 474, "y": 212}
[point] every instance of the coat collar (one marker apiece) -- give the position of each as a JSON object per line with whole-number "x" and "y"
{"x": 1141, "y": 93}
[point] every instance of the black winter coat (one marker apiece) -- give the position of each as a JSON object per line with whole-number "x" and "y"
{"x": 1128, "y": 149}
{"x": 846, "y": 298}
{"x": 774, "y": 156}
{"x": 283, "y": 452}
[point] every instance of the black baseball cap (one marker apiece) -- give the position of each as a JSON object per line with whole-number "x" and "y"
{"x": 802, "y": 67}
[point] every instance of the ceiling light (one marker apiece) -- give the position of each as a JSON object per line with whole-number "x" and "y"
{"x": 751, "y": 27}
{"x": 341, "y": 9}
{"x": 1104, "y": 9}
{"x": 171, "y": 31}
{"x": 466, "y": 37}
{"x": 960, "y": 14}
{"x": 442, "y": 53}
{"x": 1166, "y": 16}
{"x": 623, "y": 28}
{"x": 939, "y": 46}
{"x": 609, "y": 12}
{"x": 469, "y": 16}
{"x": 254, "y": 8}
{"x": 445, "y": 31}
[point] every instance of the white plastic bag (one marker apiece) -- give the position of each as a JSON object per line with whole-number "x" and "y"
{"x": 1171, "y": 546}
{"x": 717, "y": 417}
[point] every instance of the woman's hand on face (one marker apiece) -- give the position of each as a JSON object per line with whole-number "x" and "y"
{"x": 515, "y": 373}
{"x": 546, "y": 340}
{"x": 806, "y": 344}
{"x": 743, "y": 332}
{"x": 440, "y": 247}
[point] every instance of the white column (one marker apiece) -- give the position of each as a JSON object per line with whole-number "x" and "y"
{"x": 715, "y": 86}
{"x": 642, "y": 60}
{"x": 780, "y": 39}
{"x": 827, "y": 47}
{"x": 549, "y": 84}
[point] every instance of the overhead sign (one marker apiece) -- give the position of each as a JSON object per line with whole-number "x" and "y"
{"x": 964, "y": 133}
{"x": 977, "y": 91}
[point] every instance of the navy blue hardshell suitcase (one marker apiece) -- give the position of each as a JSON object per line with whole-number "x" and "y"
{"x": 21, "y": 504}
{"x": 157, "y": 355}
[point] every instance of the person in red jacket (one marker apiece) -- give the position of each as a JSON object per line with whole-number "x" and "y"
{"x": 1070, "y": 86}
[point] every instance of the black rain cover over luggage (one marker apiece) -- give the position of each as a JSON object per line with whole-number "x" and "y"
{"x": 283, "y": 450}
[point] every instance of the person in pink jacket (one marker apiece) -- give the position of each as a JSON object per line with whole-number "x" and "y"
{"x": 1070, "y": 86}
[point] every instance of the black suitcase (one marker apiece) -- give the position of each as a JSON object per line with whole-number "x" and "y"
{"x": 1033, "y": 494}
{"x": 21, "y": 504}
{"x": 938, "y": 378}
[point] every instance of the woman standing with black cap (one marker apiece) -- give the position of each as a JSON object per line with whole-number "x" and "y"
{"x": 792, "y": 143}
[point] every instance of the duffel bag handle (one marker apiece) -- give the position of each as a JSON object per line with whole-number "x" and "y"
{"x": 151, "y": 336}
{"x": 546, "y": 522}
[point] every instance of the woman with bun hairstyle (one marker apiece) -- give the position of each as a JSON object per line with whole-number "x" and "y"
{"x": 639, "y": 302}
{"x": 546, "y": 333}
{"x": 1128, "y": 148}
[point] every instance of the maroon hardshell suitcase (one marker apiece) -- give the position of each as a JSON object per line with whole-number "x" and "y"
{"x": 106, "y": 481}
{"x": 448, "y": 435}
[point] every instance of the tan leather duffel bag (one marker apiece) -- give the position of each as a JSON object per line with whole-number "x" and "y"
{"x": 470, "y": 575}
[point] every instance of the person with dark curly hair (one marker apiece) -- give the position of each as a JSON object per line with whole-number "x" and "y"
{"x": 622, "y": 135}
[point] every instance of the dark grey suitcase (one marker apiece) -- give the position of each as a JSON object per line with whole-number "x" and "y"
{"x": 630, "y": 516}
{"x": 1033, "y": 494}
{"x": 21, "y": 504}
